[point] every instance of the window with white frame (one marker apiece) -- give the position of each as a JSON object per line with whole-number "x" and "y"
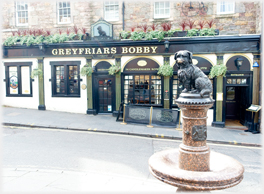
{"x": 111, "y": 10}
{"x": 21, "y": 13}
{"x": 162, "y": 9}
{"x": 64, "y": 12}
{"x": 225, "y": 7}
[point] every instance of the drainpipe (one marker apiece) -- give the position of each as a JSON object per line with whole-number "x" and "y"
{"x": 123, "y": 13}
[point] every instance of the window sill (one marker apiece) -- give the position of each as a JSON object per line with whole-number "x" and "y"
{"x": 226, "y": 15}
{"x": 19, "y": 95}
{"x": 67, "y": 96}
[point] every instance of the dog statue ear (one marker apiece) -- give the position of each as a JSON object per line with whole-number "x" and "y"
{"x": 190, "y": 57}
{"x": 175, "y": 55}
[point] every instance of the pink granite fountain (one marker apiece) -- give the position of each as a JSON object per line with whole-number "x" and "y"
{"x": 193, "y": 167}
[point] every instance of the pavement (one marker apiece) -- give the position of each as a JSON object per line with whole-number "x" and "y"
{"x": 106, "y": 123}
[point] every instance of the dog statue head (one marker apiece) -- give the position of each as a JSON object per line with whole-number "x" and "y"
{"x": 183, "y": 58}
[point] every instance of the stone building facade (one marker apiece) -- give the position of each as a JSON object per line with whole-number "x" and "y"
{"x": 138, "y": 81}
{"x": 245, "y": 19}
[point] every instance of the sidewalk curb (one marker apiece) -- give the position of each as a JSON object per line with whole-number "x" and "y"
{"x": 131, "y": 133}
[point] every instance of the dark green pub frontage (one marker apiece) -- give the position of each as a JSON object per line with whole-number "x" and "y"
{"x": 61, "y": 87}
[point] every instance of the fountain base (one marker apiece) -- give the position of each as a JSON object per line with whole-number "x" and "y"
{"x": 224, "y": 172}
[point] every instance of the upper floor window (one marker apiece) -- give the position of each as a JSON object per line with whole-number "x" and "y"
{"x": 111, "y": 10}
{"x": 21, "y": 13}
{"x": 225, "y": 7}
{"x": 162, "y": 9}
{"x": 64, "y": 12}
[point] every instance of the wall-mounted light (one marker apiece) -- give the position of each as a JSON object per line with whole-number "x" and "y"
{"x": 238, "y": 62}
{"x": 167, "y": 45}
{"x": 41, "y": 47}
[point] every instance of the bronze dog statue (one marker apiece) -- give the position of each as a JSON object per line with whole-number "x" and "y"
{"x": 192, "y": 78}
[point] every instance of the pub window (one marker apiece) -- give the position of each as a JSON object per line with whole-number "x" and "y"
{"x": 21, "y": 13}
{"x": 162, "y": 9}
{"x": 111, "y": 10}
{"x": 64, "y": 12}
{"x": 65, "y": 79}
{"x": 225, "y": 7}
{"x": 142, "y": 89}
{"x": 18, "y": 81}
{"x": 177, "y": 89}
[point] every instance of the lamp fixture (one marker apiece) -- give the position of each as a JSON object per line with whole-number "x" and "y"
{"x": 167, "y": 45}
{"x": 41, "y": 47}
{"x": 238, "y": 62}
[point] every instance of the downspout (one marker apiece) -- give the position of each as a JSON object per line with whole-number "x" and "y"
{"x": 123, "y": 14}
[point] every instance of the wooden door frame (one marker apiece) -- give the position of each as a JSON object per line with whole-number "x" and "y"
{"x": 97, "y": 76}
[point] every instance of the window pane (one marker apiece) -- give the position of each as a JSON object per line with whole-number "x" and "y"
{"x": 13, "y": 80}
{"x": 60, "y": 83}
{"x": 73, "y": 80}
{"x": 25, "y": 80}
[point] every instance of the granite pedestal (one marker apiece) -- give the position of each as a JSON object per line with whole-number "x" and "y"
{"x": 193, "y": 167}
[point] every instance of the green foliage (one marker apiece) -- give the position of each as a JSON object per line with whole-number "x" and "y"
{"x": 192, "y": 32}
{"x": 218, "y": 70}
{"x": 137, "y": 35}
{"x": 165, "y": 70}
{"x": 86, "y": 70}
{"x": 124, "y": 34}
{"x": 170, "y": 33}
{"x": 36, "y": 73}
{"x": 149, "y": 36}
{"x": 39, "y": 39}
{"x": 30, "y": 40}
{"x": 10, "y": 41}
{"x": 114, "y": 69}
{"x": 207, "y": 32}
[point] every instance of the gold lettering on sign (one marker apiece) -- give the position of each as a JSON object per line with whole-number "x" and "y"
{"x": 146, "y": 49}
{"x": 99, "y": 51}
{"x": 237, "y": 74}
{"x": 74, "y": 51}
{"x": 130, "y": 49}
{"x": 61, "y": 51}
{"x": 124, "y": 50}
{"x": 81, "y": 50}
{"x": 106, "y": 51}
{"x": 68, "y": 51}
{"x": 87, "y": 51}
{"x": 113, "y": 50}
{"x": 139, "y": 49}
{"x": 203, "y": 67}
{"x": 54, "y": 51}
{"x": 154, "y": 48}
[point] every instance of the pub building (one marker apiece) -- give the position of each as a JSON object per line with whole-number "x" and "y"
{"x": 62, "y": 88}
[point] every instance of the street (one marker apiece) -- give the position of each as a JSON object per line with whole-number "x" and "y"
{"x": 49, "y": 160}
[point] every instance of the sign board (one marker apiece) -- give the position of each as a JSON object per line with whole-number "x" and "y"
{"x": 254, "y": 108}
{"x": 102, "y": 30}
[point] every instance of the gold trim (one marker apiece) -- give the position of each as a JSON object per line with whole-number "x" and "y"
{"x": 241, "y": 54}
{"x": 100, "y": 60}
{"x": 136, "y": 58}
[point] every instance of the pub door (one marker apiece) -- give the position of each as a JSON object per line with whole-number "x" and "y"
{"x": 104, "y": 94}
{"x": 237, "y": 103}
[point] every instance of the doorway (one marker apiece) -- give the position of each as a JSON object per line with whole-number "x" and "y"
{"x": 104, "y": 94}
{"x": 236, "y": 103}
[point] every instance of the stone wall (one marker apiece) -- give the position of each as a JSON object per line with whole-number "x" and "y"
{"x": 246, "y": 20}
